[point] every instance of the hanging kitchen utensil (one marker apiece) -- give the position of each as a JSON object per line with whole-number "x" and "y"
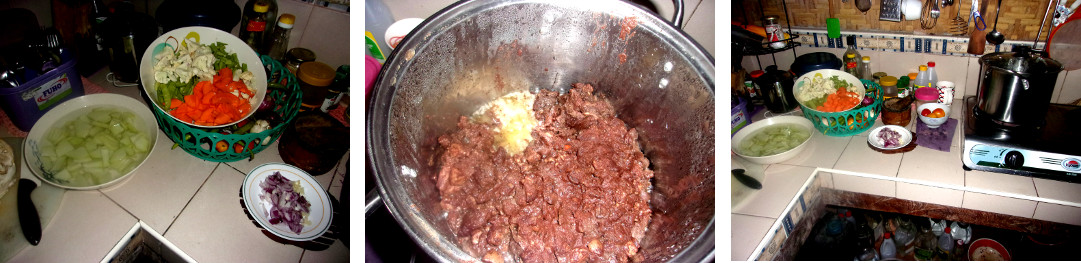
{"x": 995, "y": 37}
{"x": 863, "y": 5}
{"x": 958, "y": 26}
{"x": 929, "y": 15}
{"x": 890, "y": 11}
{"x": 978, "y": 40}
{"x": 1064, "y": 43}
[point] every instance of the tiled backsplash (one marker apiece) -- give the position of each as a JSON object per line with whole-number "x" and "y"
{"x": 898, "y": 55}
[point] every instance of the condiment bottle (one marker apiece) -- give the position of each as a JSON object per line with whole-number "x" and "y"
{"x": 278, "y": 42}
{"x": 888, "y": 250}
{"x": 852, "y": 68}
{"x": 932, "y": 77}
{"x": 314, "y": 78}
{"x": 922, "y": 78}
{"x": 945, "y": 242}
{"x": 254, "y": 23}
{"x": 336, "y": 89}
{"x": 865, "y": 69}
{"x": 903, "y": 90}
{"x": 851, "y": 55}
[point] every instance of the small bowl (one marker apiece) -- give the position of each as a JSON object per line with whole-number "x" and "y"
{"x": 65, "y": 112}
{"x": 906, "y": 137}
{"x": 805, "y": 79}
{"x": 762, "y": 124}
{"x": 986, "y": 249}
{"x": 933, "y": 122}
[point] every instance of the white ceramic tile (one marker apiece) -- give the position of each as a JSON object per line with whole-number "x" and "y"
{"x": 747, "y": 232}
{"x": 900, "y": 64}
{"x": 859, "y": 157}
{"x": 957, "y": 109}
{"x": 86, "y": 226}
{"x": 700, "y": 25}
{"x": 217, "y": 209}
{"x": 865, "y": 185}
{"x": 821, "y": 151}
{"x": 932, "y": 165}
{"x": 951, "y": 68}
{"x": 781, "y": 184}
{"x": 928, "y": 194}
{"x": 161, "y": 187}
{"x": 402, "y": 9}
{"x": 337, "y": 252}
{"x": 972, "y": 80}
{"x": 999, "y": 204}
{"x": 1000, "y": 182}
{"x": 1071, "y": 88}
{"x": 1058, "y": 190}
{"x": 1058, "y": 213}
{"x": 327, "y": 35}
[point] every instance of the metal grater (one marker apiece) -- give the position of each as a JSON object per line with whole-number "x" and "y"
{"x": 891, "y": 11}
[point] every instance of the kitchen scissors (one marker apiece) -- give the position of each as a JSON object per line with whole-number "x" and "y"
{"x": 977, "y": 17}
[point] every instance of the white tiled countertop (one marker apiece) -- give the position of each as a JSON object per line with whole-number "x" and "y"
{"x": 193, "y": 203}
{"x": 752, "y": 220}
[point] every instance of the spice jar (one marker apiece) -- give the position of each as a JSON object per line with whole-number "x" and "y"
{"x": 314, "y": 78}
{"x": 889, "y": 86}
{"x": 297, "y": 56}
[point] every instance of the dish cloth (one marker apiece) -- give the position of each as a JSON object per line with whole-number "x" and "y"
{"x": 9, "y": 127}
{"x": 936, "y": 138}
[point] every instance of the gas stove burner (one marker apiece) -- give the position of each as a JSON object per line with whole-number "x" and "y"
{"x": 1050, "y": 150}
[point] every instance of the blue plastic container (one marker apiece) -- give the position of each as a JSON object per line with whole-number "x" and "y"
{"x": 26, "y": 103}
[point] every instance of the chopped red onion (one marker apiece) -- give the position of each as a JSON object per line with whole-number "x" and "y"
{"x": 287, "y": 206}
{"x": 889, "y": 138}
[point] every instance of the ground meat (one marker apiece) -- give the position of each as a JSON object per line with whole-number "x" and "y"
{"x": 578, "y": 193}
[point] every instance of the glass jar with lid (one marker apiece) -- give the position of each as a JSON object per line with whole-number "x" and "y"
{"x": 314, "y": 78}
{"x": 297, "y": 56}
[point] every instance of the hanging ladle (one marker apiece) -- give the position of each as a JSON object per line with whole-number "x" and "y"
{"x": 995, "y": 37}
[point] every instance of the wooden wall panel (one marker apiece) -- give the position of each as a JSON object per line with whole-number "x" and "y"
{"x": 1020, "y": 19}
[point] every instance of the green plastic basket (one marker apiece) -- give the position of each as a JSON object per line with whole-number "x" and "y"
{"x": 850, "y": 122}
{"x": 200, "y": 143}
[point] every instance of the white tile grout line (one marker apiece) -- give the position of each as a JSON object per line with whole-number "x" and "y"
{"x": 777, "y": 224}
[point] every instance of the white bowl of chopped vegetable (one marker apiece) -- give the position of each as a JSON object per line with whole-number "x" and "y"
{"x": 773, "y": 140}
{"x": 91, "y": 141}
{"x": 813, "y": 88}
{"x": 175, "y": 63}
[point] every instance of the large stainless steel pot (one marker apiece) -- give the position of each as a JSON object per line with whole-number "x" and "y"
{"x": 660, "y": 81}
{"x": 1015, "y": 88}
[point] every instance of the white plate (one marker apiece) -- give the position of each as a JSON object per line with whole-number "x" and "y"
{"x": 906, "y": 137}
{"x": 321, "y": 210}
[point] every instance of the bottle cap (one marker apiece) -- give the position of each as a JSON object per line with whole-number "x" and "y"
{"x": 931, "y": 64}
{"x": 888, "y": 81}
{"x": 923, "y": 68}
{"x": 316, "y": 73}
{"x": 286, "y": 21}
{"x": 261, "y": 7}
{"x": 886, "y": 235}
{"x": 866, "y": 59}
{"x": 912, "y": 76}
{"x": 947, "y": 230}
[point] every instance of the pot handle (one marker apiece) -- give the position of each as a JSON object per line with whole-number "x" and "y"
{"x": 677, "y": 18}
{"x": 1024, "y": 83}
{"x": 372, "y": 202}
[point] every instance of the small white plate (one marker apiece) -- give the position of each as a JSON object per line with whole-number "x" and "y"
{"x": 321, "y": 212}
{"x": 906, "y": 137}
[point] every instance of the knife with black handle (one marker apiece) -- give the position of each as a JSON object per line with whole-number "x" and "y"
{"x": 29, "y": 219}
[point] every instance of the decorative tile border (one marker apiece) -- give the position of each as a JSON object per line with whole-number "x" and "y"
{"x": 939, "y": 45}
{"x": 807, "y": 200}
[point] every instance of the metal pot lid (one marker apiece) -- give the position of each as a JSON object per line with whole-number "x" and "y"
{"x": 1022, "y": 62}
